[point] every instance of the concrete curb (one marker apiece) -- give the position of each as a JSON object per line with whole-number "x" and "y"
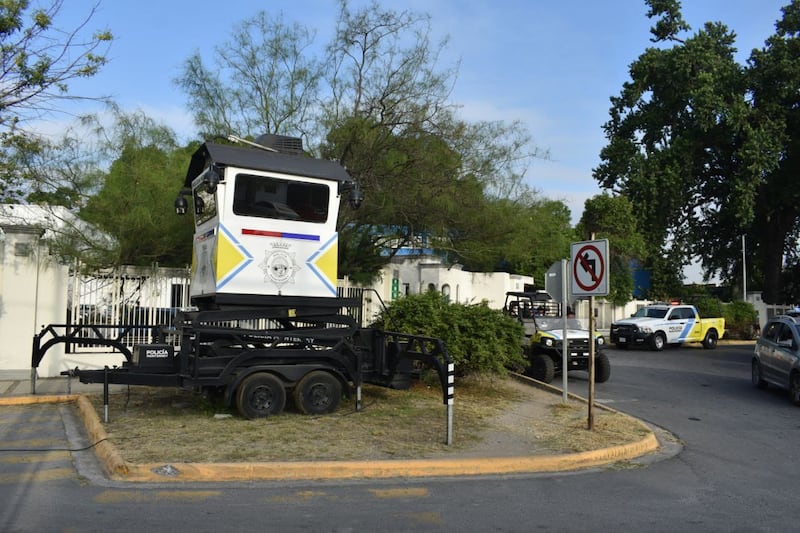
{"x": 120, "y": 470}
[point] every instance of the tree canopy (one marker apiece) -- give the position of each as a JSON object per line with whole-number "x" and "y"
{"x": 378, "y": 102}
{"x": 702, "y": 147}
{"x": 39, "y": 59}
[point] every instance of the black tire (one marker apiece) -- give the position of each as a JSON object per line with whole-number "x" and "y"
{"x": 602, "y": 368}
{"x": 658, "y": 341}
{"x": 542, "y": 368}
{"x": 710, "y": 342}
{"x": 757, "y": 375}
{"x": 260, "y": 395}
{"x": 318, "y": 393}
{"x": 794, "y": 388}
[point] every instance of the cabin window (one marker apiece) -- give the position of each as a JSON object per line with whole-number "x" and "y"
{"x": 205, "y": 204}
{"x": 266, "y": 197}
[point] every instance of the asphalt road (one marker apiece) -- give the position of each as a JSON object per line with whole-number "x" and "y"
{"x": 737, "y": 472}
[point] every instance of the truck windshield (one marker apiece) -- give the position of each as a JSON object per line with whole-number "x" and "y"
{"x": 651, "y": 312}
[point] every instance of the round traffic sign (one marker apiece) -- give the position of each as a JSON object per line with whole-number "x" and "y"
{"x": 588, "y": 268}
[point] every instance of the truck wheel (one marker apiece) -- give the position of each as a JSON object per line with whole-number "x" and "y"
{"x": 318, "y": 393}
{"x": 602, "y": 368}
{"x": 260, "y": 395}
{"x": 658, "y": 341}
{"x": 542, "y": 368}
{"x": 710, "y": 342}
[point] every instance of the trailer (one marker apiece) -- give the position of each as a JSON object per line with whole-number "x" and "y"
{"x": 266, "y": 324}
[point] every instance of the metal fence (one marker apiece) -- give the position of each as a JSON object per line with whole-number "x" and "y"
{"x": 147, "y": 297}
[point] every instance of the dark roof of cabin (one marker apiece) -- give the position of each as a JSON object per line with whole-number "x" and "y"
{"x": 254, "y": 158}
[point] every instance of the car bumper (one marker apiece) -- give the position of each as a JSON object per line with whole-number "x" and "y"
{"x": 630, "y": 338}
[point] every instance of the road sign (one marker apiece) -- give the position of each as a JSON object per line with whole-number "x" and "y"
{"x": 589, "y": 268}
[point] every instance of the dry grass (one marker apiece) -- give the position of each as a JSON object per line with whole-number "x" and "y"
{"x": 169, "y": 425}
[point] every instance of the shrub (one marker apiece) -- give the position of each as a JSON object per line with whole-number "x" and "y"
{"x": 480, "y": 340}
{"x": 740, "y": 318}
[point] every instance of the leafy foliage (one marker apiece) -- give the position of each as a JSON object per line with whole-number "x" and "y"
{"x": 480, "y": 340}
{"x": 703, "y": 148}
{"x": 135, "y": 203}
{"x": 612, "y": 217}
{"x": 740, "y": 319}
{"x": 39, "y": 60}
{"x": 379, "y": 103}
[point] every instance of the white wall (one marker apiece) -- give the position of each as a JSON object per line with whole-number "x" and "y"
{"x": 33, "y": 292}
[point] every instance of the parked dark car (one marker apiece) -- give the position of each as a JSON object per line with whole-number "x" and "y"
{"x": 776, "y": 360}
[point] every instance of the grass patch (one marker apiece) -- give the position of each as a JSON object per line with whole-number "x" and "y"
{"x": 171, "y": 425}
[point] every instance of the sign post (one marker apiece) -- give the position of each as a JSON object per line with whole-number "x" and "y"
{"x": 590, "y": 278}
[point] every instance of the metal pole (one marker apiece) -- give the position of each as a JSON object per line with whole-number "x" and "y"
{"x": 744, "y": 272}
{"x": 591, "y": 363}
{"x": 105, "y": 394}
{"x": 564, "y": 340}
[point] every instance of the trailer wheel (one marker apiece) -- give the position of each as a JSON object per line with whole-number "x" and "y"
{"x": 260, "y": 395}
{"x": 318, "y": 393}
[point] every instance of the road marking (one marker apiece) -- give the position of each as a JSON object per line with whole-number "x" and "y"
{"x": 44, "y": 457}
{"x": 123, "y": 496}
{"x": 39, "y": 475}
{"x": 420, "y": 492}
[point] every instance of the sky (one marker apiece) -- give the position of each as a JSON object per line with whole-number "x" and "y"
{"x": 553, "y": 65}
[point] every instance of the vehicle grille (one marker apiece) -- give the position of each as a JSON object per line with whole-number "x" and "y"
{"x": 623, "y": 330}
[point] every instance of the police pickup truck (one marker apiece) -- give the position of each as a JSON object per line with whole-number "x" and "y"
{"x": 658, "y": 325}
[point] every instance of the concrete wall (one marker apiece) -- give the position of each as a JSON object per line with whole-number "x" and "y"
{"x": 33, "y": 292}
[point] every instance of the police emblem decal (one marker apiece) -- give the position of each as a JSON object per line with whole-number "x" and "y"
{"x": 279, "y": 266}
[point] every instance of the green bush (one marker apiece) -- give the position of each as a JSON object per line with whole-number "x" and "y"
{"x": 740, "y": 317}
{"x": 707, "y": 306}
{"x": 480, "y": 340}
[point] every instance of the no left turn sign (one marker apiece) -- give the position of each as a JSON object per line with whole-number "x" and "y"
{"x": 589, "y": 268}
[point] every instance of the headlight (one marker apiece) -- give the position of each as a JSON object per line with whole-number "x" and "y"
{"x": 601, "y": 341}
{"x": 548, "y": 341}
{"x": 646, "y": 329}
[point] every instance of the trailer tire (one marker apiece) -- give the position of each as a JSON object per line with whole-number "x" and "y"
{"x": 260, "y": 395}
{"x": 318, "y": 393}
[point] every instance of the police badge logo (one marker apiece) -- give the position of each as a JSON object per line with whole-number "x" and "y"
{"x": 279, "y": 265}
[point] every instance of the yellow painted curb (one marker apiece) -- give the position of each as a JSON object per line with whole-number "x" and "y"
{"x": 317, "y": 470}
{"x": 119, "y": 469}
{"x": 31, "y": 399}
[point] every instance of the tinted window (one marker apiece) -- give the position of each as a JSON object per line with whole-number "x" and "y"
{"x": 785, "y": 333}
{"x": 772, "y": 330}
{"x": 261, "y": 196}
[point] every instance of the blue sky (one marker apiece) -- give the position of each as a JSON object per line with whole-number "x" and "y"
{"x": 551, "y": 64}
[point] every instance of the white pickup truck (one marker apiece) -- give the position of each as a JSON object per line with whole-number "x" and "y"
{"x": 658, "y": 325}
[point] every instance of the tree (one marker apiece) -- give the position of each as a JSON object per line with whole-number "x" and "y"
{"x": 38, "y": 62}
{"x": 425, "y": 172}
{"x": 611, "y": 217}
{"x": 262, "y": 81}
{"x": 135, "y": 203}
{"x": 774, "y": 82}
{"x": 687, "y": 150}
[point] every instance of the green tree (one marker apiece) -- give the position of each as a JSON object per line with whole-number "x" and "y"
{"x": 380, "y": 106}
{"x": 425, "y": 172}
{"x": 135, "y": 203}
{"x": 39, "y": 61}
{"x": 774, "y": 83}
{"x": 686, "y": 150}
{"x": 611, "y": 217}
